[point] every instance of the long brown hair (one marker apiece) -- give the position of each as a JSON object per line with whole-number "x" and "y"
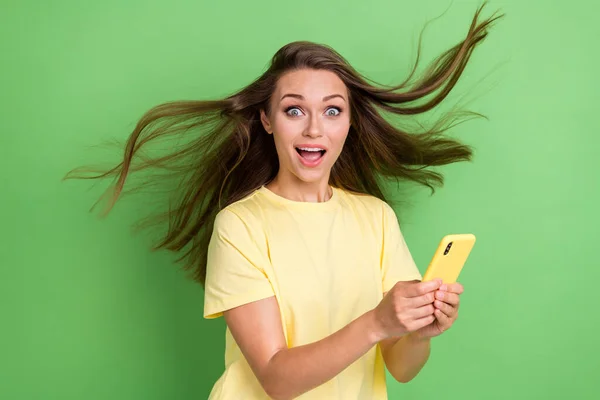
{"x": 233, "y": 155}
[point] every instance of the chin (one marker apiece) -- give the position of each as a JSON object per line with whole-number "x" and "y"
{"x": 311, "y": 176}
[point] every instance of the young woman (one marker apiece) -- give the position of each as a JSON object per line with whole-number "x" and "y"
{"x": 281, "y": 215}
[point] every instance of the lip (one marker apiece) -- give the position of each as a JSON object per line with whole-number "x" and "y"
{"x": 311, "y": 146}
{"x": 306, "y": 163}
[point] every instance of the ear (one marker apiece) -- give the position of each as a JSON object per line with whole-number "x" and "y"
{"x": 265, "y": 122}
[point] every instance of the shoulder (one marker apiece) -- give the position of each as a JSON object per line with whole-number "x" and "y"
{"x": 242, "y": 214}
{"x": 373, "y": 206}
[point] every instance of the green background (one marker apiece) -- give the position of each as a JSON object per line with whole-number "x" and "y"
{"x": 89, "y": 312}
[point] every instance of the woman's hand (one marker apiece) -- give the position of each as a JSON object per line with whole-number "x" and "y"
{"x": 447, "y": 301}
{"x": 406, "y": 308}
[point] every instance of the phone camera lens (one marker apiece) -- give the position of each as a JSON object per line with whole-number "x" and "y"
{"x": 448, "y": 248}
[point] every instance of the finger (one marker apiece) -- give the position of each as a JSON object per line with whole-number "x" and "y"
{"x": 422, "y": 300}
{"x": 421, "y": 312}
{"x": 453, "y": 288}
{"x": 422, "y": 288}
{"x": 443, "y": 320}
{"x": 421, "y": 323}
{"x": 445, "y": 308}
{"x": 447, "y": 297}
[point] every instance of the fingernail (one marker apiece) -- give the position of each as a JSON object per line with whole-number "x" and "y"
{"x": 444, "y": 288}
{"x": 440, "y": 295}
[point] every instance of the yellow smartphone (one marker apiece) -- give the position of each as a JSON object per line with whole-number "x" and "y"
{"x": 450, "y": 257}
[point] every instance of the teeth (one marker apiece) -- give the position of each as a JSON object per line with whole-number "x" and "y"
{"x": 310, "y": 149}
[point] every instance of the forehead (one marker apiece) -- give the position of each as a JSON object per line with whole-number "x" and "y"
{"x": 310, "y": 83}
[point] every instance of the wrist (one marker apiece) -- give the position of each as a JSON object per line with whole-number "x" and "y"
{"x": 374, "y": 328}
{"x": 417, "y": 338}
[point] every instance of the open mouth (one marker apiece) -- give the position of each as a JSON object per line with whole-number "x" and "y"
{"x": 310, "y": 154}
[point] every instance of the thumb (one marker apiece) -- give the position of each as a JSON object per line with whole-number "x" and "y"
{"x": 425, "y": 287}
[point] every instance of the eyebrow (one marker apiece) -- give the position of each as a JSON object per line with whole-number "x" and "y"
{"x": 298, "y": 96}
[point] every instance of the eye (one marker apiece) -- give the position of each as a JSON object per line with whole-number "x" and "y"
{"x": 293, "y": 111}
{"x": 336, "y": 111}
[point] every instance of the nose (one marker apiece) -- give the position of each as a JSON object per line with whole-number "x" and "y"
{"x": 314, "y": 128}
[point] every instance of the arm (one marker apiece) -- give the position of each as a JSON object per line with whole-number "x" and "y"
{"x": 405, "y": 357}
{"x": 287, "y": 373}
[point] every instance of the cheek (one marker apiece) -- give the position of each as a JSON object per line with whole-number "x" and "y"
{"x": 285, "y": 132}
{"x": 283, "y": 135}
{"x": 287, "y": 128}
{"x": 338, "y": 137}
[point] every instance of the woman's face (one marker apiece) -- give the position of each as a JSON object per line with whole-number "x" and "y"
{"x": 310, "y": 120}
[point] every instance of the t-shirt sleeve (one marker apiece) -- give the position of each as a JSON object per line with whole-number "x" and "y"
{"x": 397, "y": 263}
{"x": 235, "y": 273}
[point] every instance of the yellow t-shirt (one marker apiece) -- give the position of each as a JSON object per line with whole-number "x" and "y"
{"x": 326, "y": 263}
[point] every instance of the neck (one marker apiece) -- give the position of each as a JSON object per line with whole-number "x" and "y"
{"x": 297, "y": 190}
